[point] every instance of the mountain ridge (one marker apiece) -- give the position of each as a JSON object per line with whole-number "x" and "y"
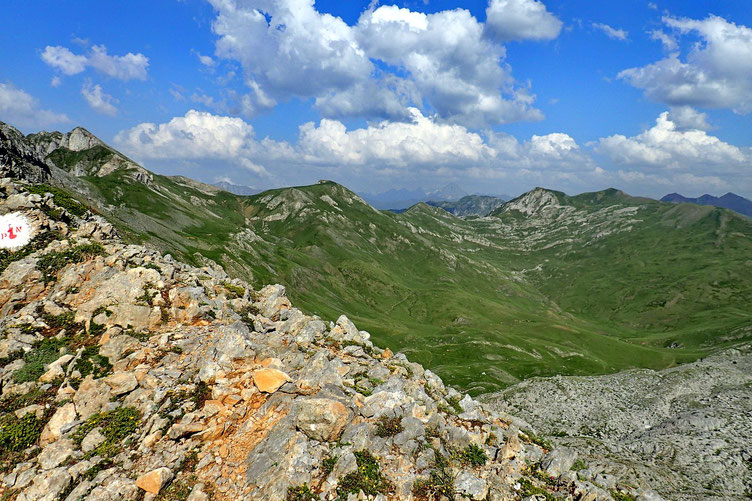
{"x": 728, "y": 201}
{"x": 124, "y": 379}
{"x": 438, "y": 286}
{"x": 589, "y": 285}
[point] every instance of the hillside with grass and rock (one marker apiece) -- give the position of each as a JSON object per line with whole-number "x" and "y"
{"x": 547, "y": 284}
{"x": 127, "y": 374}
{"x": 145, "y": 355}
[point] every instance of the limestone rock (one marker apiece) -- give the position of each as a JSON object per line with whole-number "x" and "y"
{"x": 115, "y": 347}
{"x": 153, "y": 481}
{"x": 270, "y": 380}
{"x": 322, "y": 419}
{"x": 471, "y": 486}
{"x": 62, "y": 417}
{"x": 92, "y": 395}
{"x": 92, "y": 440}
{"x": 121, "y": 383}
{"x": 559, "y": 460}
{"x": 55, "y": 454}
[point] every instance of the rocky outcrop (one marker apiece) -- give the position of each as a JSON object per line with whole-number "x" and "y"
{"x": 81, "y": 153}
{"x": 18, "y": 158}
{"x": 686, "y": 428}
{"x": 180, "y": 381}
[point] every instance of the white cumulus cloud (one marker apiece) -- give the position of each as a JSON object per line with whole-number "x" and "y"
{"x": 390, "y": 60}
{"x": 195, "y": 136}
{"x": 716, "y": 73}
{"x": 452, "y": 65}
{"x": 64, "y": 60}
{"x": 521, "y": 20}
{"x": 668, "y": 147}
{"x": 19, "y": 108}
{"x": 686, "y": 117}
{"x": 128, "y": 67}
{"x": 98, "y": 100}
{"x": 420, "y": 147}
{"x": 402, "y": 144}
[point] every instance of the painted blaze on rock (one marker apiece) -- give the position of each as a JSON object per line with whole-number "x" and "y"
{"x": 15, "y": 231}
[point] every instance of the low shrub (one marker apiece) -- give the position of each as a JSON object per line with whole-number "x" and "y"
{"x": 115, "y": 425}
{"x": 389, "y": 426}
{"x": 52, "y": 262}
{"x": 91, "y": 362}
{"x": 301, "y": 493}
{"x": 440, "y": 482}
{"x": 19, "y": 434}
{"x": 43, "y": 353}
{"x": 473, "y": 455}
{"x": 366, "y": 478}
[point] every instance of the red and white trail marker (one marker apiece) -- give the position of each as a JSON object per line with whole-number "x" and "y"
{"x": 15, "y": 231}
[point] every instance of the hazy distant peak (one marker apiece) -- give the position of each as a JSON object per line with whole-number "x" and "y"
{"x": 730, "y": 201}
{"x": 237, "y": 189}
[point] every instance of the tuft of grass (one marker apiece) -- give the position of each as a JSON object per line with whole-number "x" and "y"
{"x": 578, "y": 465}
{"x": 438, "y": 484}
{"x": 366, "y": 478}
{"x": 201, "y": 393}
{"x": 91, "y": 362}
{"x": 43, "y": 353}
{"x": 234, "y": 291}
{"x": 116, "y": 425}
{"x": 529, "y": 489}
{"x": 473, "y": 455}
{"x": 327, "y": 466}
{"x": 389, "y": 426}
{"x": 152, "y": 266}
{"x": 52, "y": 262}
{"x": 147, "y": 296}
{"x": 63, "y": 321}
{"x": 301, "y": 493}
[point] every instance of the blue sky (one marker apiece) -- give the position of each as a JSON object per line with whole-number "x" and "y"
{"x": 497, "y": 96}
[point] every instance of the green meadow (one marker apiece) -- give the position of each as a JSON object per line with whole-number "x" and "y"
{"x": 589, "y": 284}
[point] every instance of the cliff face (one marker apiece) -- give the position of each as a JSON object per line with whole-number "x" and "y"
{"x": 128, "y": 375}
{"x": 18, "y": 158}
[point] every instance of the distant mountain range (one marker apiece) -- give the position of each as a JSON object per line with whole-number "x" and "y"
{"x": 470, "y": 205}
{"x": 400, "y": 199}
{"x": 727, "y": 201}
{"x": 236, "y": 189}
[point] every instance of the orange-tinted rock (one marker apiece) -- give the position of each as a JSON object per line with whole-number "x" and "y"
{"x": 270, "y": 380}
{"x": 154, "y": 480}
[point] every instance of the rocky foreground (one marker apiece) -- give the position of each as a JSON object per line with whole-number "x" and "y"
{"x": 128, "y": 375}
{"x": 686, "y": 430}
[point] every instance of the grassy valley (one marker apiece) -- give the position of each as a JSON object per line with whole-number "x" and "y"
{"x": 546, "y": 284}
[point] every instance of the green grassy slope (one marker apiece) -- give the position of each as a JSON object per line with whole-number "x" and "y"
{"x": 584, "y": 285}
